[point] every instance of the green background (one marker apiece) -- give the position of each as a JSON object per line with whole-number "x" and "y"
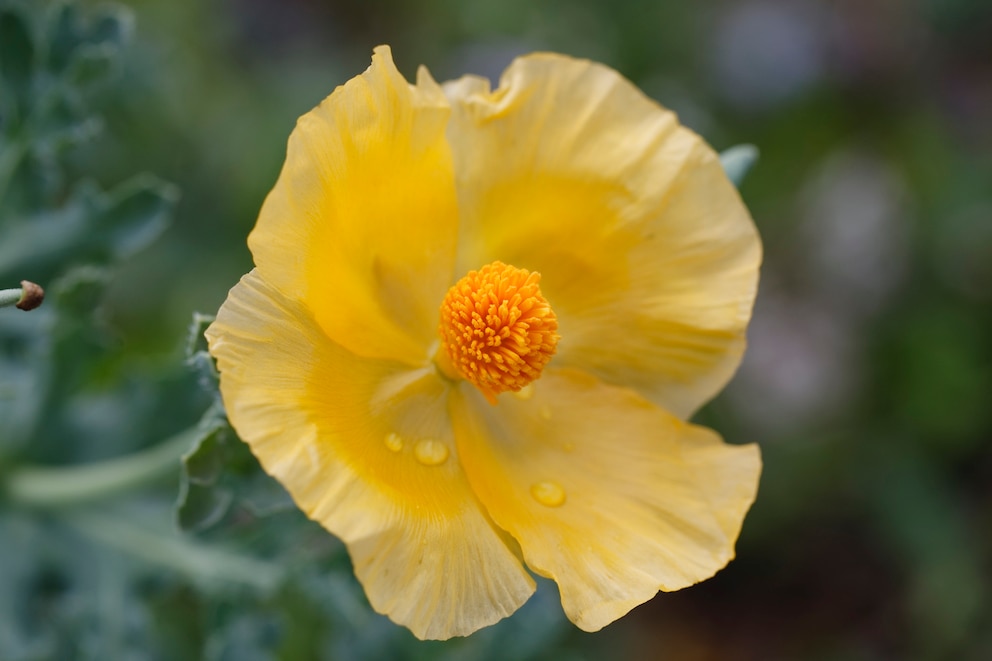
{"x": 868, "y": 381}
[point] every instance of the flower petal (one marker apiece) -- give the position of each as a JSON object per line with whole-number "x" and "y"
{"x": 365, "y": 447}
{"x": 646, "y": 252}
{"x": 362, "y": 221}
{"x": 608, "y": 495}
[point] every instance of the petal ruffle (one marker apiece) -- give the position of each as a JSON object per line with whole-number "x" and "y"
{"x": 646, "y": 252}
{"x": 362, "y": 222}
{"x": 608, "y": 495}
{"x": 365, "y": 447}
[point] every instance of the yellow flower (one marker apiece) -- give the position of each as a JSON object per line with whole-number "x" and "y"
{"x": 477, "y": 325}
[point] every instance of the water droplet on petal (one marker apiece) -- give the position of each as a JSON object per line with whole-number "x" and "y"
{"x": 394, "y": 442}
{"x": 525, "y": 393}
{"x": 430, "y": 452}
{"x": 549, "y": 494}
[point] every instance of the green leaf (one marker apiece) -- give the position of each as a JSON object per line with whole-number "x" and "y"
{"x": 262, "y": 495}
{"x": 202, "y": 507}
{"x": 64, "y": 36}
{"x": 78, "y": 292}
{"x": 46, "y": 354}
{"x": 16, "y": 53}
{"x": 62, "y": 128}
{"x": 72, "y": 39}
{"x": 135, "y": 213}
{"x": 202, "y": 501}
{"x": 24, "y": 377}
{"x": 90, "y": 228}
{"x": 112, "y": 26}
{"x": 44, "y": 87}
{"x": 220, "y": 474}
{"x": 198, "y": 357}
{"x": 196, "y": 342}
{"x": 738, "y": 161}
{"x": 92, "y": 63}
{"x": 97, "y": 51}
{"x": 205, "y": 462}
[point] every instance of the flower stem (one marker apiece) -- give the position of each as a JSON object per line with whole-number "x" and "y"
{"x": 10, "y": 297}
{"x": 73, "y": 485}
{"x": 202, "y": 563}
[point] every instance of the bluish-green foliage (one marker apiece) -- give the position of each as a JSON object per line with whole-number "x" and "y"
{"x": 870, "y": 363}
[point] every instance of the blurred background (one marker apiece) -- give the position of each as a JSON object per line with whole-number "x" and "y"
{"x": 868, "y": 381}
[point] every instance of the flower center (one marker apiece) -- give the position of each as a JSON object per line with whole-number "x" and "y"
{"x": 497, "y": 330}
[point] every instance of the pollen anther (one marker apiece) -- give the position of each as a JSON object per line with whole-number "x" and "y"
{"x": 497, "y": 329}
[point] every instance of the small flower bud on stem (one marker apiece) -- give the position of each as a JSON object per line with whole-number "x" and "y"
{"x": 28, "y": 297}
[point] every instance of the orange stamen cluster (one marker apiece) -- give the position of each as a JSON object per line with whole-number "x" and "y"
{"x": 497, "y": 330}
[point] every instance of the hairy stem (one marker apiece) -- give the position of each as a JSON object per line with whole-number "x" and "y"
{"x": 73, "y": 485}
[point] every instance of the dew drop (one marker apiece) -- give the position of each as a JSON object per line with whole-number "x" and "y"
{"x": 430, "y": 452}
{"x": 549, "y": 494}
{"x": 525, "y": 393}
{"x": 394, "y": 442}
